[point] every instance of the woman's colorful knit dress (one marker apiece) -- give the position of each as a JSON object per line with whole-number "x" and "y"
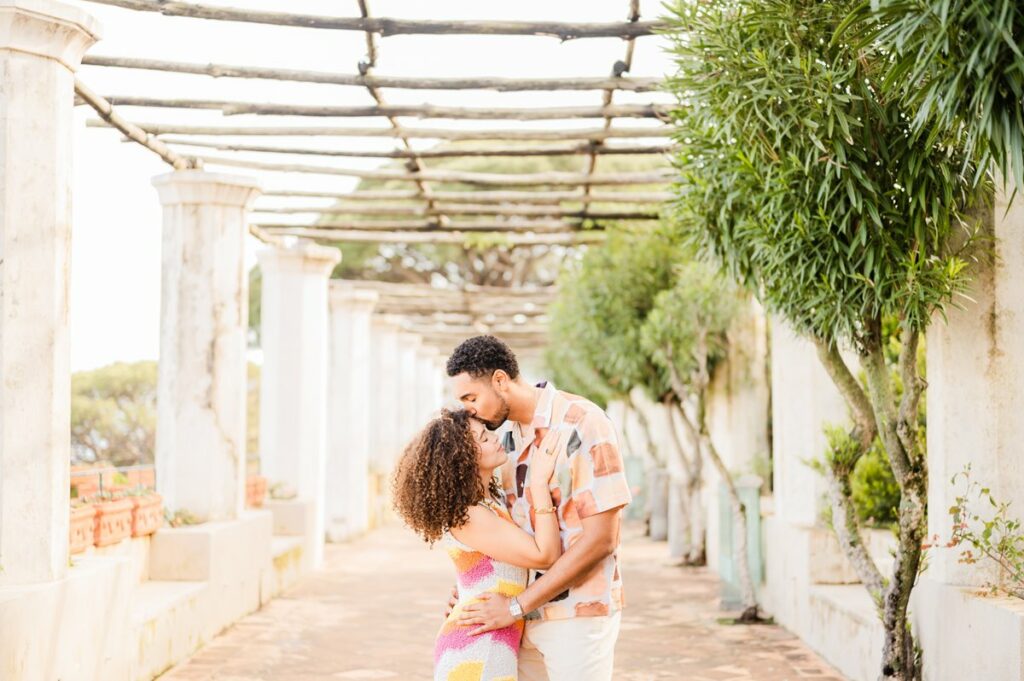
{"x": 488, "y": 657}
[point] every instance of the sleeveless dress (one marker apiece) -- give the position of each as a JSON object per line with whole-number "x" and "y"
{"x": 492, "y": 656}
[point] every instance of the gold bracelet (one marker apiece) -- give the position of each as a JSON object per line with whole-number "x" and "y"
{"x": 549, "y": 509}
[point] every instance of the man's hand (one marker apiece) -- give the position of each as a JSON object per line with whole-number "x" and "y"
{"x": 452, "y": 601}
{"x": 487, "y": 615}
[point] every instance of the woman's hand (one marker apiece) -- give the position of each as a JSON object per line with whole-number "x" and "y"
{"x": 542, "y": 463}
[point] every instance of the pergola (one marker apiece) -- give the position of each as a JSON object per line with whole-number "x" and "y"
{"x": 351, "y": 368}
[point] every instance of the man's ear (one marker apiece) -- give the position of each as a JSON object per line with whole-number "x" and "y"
{"x": 500, "y": 380}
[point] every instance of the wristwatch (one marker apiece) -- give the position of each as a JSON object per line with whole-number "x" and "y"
{"x": 515, "y": 609}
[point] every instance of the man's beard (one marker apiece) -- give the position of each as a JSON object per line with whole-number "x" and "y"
{"x": 496, "y": 422}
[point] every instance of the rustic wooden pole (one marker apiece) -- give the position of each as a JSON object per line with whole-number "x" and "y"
{"x": 417, "y": 133}
{"x": 553, "y": 150}
{"x": 388, "y": 27}
{"x": 427, "y": 225}
{"x": 521, "y": 210}
{"x": 367, "y": 80}
{"x": 132, "y": 131}
{"x": 499, "y": 179}
{"x": 231, "y": 108}
{"x": 481, "y": 197}
{"x": 448, "y": 237}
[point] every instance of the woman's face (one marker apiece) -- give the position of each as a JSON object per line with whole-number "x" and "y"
{"x": 490, "y": 453}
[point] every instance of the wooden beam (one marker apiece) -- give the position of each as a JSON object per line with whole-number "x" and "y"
{"x": 412, "y": 133}
{"x": 230, "y": 108}
{"x": 499, "y": 179}
{"x": 428, "y": 225}
{"x": 497, "y": 197}
{"x": 393, "y": 82}
{"x": 436, "y": 237}
{"x": 532, "y": 211}
{"x": 132, "y": 131}
{"x": 554, "y": 150}
{"x": 389, "y": 27}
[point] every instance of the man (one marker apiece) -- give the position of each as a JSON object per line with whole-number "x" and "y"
{"x": 573, "y": 610}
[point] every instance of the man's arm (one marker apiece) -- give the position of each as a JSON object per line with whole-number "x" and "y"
{"x": 598, "y": 540}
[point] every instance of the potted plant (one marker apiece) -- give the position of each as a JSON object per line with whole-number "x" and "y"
{"x": 82, "y": 532}
{"x": 147, "y": 511}
{"x": 113, "y": 520}
{"x": 255, "y": 490}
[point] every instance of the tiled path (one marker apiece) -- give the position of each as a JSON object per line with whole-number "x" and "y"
{"x": 373, "y": 612}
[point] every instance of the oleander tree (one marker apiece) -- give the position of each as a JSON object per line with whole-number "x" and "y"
{"x": 801, "y": 178}
{"x": 959, "y": 66}
{"x": 686, "y": 334}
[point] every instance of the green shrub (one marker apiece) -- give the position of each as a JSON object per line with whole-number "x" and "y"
{"x": 876, "y": 495}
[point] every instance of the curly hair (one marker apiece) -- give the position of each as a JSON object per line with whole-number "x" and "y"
{"x": 482, "y": 356}
{"x": 437, "y": 479}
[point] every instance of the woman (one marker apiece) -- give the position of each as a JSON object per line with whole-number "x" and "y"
{"x": 446, "y": 491}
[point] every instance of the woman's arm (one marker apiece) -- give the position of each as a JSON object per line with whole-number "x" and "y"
{"x": 502, "y": 540}
{"x": 496, "y": 537}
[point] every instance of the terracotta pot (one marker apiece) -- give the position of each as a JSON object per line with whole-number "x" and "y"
{"x": 113, "y": 521}
{"x": 82, "y": 528}
{"x": 147, "y": 514}
{"x": 255, "y": 490}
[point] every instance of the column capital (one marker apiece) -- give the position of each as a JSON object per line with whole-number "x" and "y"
{"x": 344, "y": 294}
{"x": 200, "y": 186}
{"x": 301, "y": 256}
{"x": 48, "y": 29}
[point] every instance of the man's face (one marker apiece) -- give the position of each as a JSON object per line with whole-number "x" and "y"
{"x": 483, "y": 397}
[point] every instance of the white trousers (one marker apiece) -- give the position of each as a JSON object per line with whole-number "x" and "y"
{"x": 576, "y": 649}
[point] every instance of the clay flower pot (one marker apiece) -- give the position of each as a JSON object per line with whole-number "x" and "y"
{"x": 82, "y": 528}
{"x": 113, "y": 521}
{"x": 255, "y": 490}
{"x": 147, "y": 514}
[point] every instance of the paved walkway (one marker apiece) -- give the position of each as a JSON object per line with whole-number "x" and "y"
{"x": 373, "y": 612}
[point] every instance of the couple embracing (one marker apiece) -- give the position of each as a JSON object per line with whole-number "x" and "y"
{"x": 524, "y": 488}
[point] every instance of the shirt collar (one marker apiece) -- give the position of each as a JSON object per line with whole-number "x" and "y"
{"x": 545, "y": 405}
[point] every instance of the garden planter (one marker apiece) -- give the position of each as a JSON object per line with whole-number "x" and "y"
{"x": 82, "y": 533}
{"x": 147, "y": 514}
{"x": 255, "y": 490}
{"x": 113, "y": 521}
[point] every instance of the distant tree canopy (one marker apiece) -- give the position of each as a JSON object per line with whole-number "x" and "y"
{"x": 113, "y": 413}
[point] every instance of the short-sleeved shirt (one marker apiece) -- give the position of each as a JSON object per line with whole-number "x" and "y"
{"x": 589, "y": 478}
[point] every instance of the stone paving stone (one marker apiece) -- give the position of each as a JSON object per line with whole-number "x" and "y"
{"x": 374, "y": 609}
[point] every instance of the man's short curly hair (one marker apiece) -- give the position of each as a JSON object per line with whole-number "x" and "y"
{"x": 481, "y": 356}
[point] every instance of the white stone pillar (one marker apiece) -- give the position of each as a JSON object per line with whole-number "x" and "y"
{"x": 350, "y": 408}
{"x": 41, "y": 45}
{"x": 408, "y": 400}
{"x": 201, "y": 390}
{"x": 385, "y": 442}
{"x": 293, "y": 385}
{"x": 976, "y": 393}
{"x": 426, "y": 382}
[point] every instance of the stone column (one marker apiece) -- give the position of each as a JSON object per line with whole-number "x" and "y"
{"x": 201, "y": 391}
{"x": 350, "y": 407}
{"x": 293, "y": 385}
{"x": 408, "y": 421}
{"x": 426, "y": 381}
{"x": 385, "y": 444}
{"x": 41, "y": 45}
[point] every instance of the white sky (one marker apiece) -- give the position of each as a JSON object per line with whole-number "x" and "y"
{"x": 115, "y": 279}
